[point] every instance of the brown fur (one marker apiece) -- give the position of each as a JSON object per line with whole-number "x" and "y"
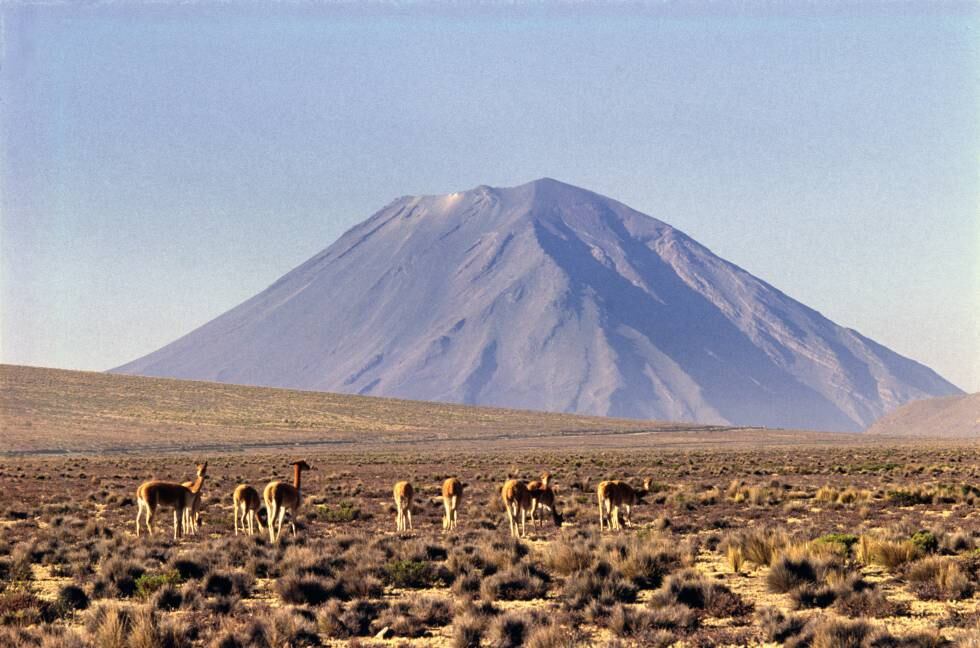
{"x": 156, "y": 493}
{"x": 192, "y": 515}
{"x": 616, "y": 500}
{"x": 403, "y": 493}
{"x": 246, "y": 503}
{"x": 281, "y": 497}
{"x": 452, "y": 494}
{"x": 517, "y": 499}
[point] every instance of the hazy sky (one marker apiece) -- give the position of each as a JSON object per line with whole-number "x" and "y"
{"x": 162, "y": 163}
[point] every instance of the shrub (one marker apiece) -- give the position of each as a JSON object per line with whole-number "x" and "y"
{"x": 868, "y": 602}
{"x": 691, "y": 589}
{"x": 166, "y": 598}
{"x": 305, "y": 590}
{"x": 344, "y": 512}
{"x": 957, "y": 542}
{"x": 735, "y": 558}
{"x": 760, "y": 547}
{"x": 940, "y": 579}
{"x": 925, "y": 541}
{"x": 433, "y": 611}
{"x": 602, "y": 584}
{"x": 790, "y": 572}
{"x": 71, "y": 598}
{"x": 566, "y": 556}
{"x": 399, "y": 621}
{"x": 509, "y": 630}
{"x": 147, "y": 584}
{"x": 468, "y": 631}
{"x": 291, "y": 629}
{"x": 117, "y": 578}
{"x": 218, "y": 584}
{"x": 779, "y": 627}
{"x": 809, "y": 595}
{"x": 646, "y": 565}
{"x": 190, "y": 567}
{"x": 624, "y": 621}
{"x": 906, "y": 497}
{"x": 886, "y": 553}
{"x": 673, "y": 617}
{"x": 414, "y": 574}
{"x": 839, "y": 633}
{"x": 840, "y": 542}
{"x": 21, "y": 607}
{"x": 554, "y": 636}
{"x": 109, "y": 626}
{"x": 519, "y": 583}
{"x": 356, "y": 619}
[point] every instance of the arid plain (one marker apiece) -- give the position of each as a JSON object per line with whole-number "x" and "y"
{"x": 746, "y": 536}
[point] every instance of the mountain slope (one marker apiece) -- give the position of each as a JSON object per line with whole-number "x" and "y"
{"x": 947, "y": 417}
{"x": 547, "y": 296}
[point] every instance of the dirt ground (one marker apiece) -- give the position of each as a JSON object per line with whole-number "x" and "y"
{"x": 902, "y": 569}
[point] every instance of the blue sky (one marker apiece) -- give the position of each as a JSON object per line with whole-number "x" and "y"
{"x": 161, "y": 163}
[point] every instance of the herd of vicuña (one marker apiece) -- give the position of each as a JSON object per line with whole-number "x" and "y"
{"x": 521, "y": 500}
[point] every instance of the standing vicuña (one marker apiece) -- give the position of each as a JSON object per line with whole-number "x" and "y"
{"x": 543, "y": 496}
{"x": 616, "y": 500}
{"x": 281, "y": 497}
{"x": 245, "y": 506}
{"x": 155, "y": 493}
{"x": 452, "y": 494}
{"x": 517, "y": 499}
{"x": 403, "y": 505}
{"x": 192, "y": 514}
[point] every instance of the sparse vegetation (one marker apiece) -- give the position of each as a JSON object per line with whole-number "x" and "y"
{"x": 734, "y": 546}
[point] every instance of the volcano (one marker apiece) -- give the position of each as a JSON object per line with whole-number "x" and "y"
{"x": 547, "y": 296}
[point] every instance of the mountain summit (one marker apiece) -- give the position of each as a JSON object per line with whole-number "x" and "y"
{"x": 547, "y": 296}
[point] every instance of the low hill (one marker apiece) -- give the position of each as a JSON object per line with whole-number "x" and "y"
{"x": 53, "y": 411}
{"x": 948, "y": 417}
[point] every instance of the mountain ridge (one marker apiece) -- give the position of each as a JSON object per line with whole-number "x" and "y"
{"x": 547, "y": 296}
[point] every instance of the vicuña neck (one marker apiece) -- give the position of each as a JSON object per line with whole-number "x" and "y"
{"x": 297, "y": 474}
{"x": 196, "y": 486}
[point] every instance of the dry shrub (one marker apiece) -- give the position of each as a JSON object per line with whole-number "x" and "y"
{"x": 887, "y": 553}
{"x": 293, "y": 629}
{"x": 735, "y": 558}
{"x": 839, "y": 633}
{"x": 867, "y": 602}
{"x": 468, "y": 630}
{"x": 567, "y": 555}
{"x": 810, "y": 595}
{"x": 307, "y": 590}
{"x": 939, "y": 579}
{"x": 777, "y": 626}
{"x": 519, "y": 583}
{"x": 691, "y": 589}
{"x": 831, "y": 495}
{"x": 355, "y": 619}
{"x": 111, "y": 625}
{"x": 22, "y": 607}
{"x": 760, "y": 546}
{"x": 553, "y": 636}
{"x": 645, "y": 563}
{"x": 791, "y": 571}
{"x": 509, "y": 630}
{"x": 400, "y": 621}
{"x": 602, "y": 584}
